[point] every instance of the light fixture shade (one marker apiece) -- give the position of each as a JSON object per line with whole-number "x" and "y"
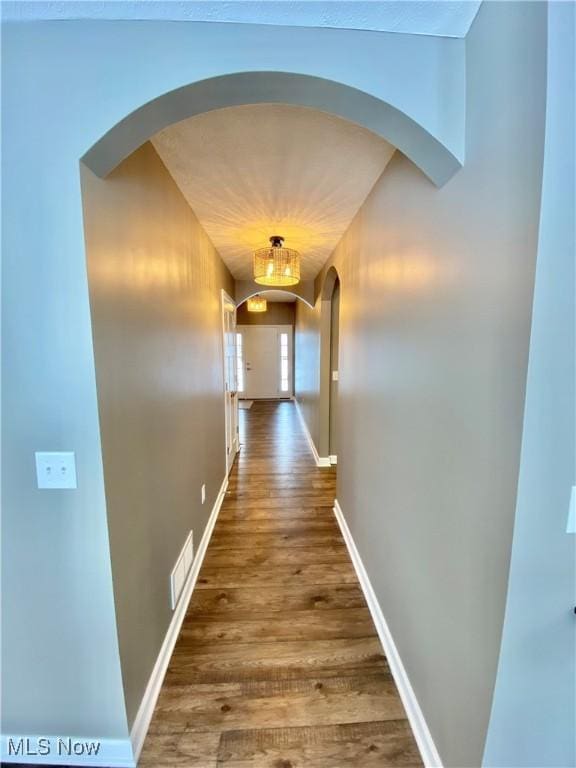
{"x": 276, "y": 265}
{"x": 257, "y": 304}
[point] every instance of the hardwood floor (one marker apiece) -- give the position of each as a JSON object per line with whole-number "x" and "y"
{"x": 278, "y": 664}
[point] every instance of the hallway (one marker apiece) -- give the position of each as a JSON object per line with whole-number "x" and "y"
{"x": 278, "y": 664}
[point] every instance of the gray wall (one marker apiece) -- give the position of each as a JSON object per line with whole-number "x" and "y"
{"x": 155, "y": 282}
{"x": 436, "y": 290}
{"x": 533, "y": 718}
{"x": 307, "y": 368}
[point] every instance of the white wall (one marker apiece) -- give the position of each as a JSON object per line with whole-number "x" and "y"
{"x": 533, "y": 720}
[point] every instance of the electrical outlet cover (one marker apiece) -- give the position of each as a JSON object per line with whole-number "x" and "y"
{"x": 56, "y": 469}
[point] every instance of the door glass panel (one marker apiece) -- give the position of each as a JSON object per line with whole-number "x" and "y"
{"x": 239, "y": 363}
{"x": 284, "y": 384}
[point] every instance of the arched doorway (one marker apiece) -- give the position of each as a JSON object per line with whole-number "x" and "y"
{"x": 382, "y": 118}
{"x": 265, "y": 346}
{"x": 436, "y": 159}
{"x": 329, "y": 365}
{"x": 334, "y": 372}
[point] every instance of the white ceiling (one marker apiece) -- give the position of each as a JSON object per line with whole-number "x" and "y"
{"x": 446, "y": 18}
{"x": 253, "y": 171}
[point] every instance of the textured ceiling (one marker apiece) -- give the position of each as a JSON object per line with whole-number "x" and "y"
{"x": 446, "y": 18}
{"x": 254, "y": 171}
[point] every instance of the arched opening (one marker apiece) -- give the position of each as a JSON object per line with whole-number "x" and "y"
{"x": 329, "y": 365}
{"x": 300, "y": 292}
{"x": 438, "y": 161}
{"x": 265, "y": 347}
{"x": 161, "y": 274}
{"x": 334, "y": 372}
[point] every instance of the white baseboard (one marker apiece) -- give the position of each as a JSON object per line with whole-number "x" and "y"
{"x": 422, "y": 734}
{"x": 321, "y": 461}
{"x": 146, "y": 709}
{"x": 54, "y": 750}
{"x": 333, "y": 459}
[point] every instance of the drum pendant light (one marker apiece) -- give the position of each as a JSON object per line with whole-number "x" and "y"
{"x": 276, "y": 265}
{"x": 257, "y": 304}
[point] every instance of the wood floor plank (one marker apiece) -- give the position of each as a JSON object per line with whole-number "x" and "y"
{"x": 164, "y": 750}
{"x": 236, "y": 511}
{"x": 284, "y": 482}
{"x": 275, "y": 501}
{"x": 360, "y": 745}
{"x": 243, "y": 512}
{"x": 284, "y": 525}
{"x": 288, "y": 576}
{"x": 302, "y": 492}
{"x": 305, "y": 499}
{"x": 235, "y": 602}
{"x": 277, "y": 704}
{"x": 293, "y": 538}
{"x": 335, "y": 553}
{"x": 302, "y": 625}
{"x": 287, "y": 660}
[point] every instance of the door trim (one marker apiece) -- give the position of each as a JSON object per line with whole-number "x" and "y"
{"x": 225, "y": 299}
{"x": 279, "y": 328}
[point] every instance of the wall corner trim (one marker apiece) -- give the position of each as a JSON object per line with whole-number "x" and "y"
{"x": 420, "y": 729}
{"x": 321, "y": 461}
{"x": 148, "y": 703}
{"x": 112, "y": 753}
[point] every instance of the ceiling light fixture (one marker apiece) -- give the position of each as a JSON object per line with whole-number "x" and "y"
{"x": 276, "y": 265}
{"x": 257, "y": 304}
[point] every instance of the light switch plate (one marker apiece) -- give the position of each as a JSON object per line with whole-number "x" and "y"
{"x": 56, "y": 469}
{"x": 334, "y": 375}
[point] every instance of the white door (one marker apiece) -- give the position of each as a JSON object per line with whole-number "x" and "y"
{"x": 230, "y": 387}
{"x": 266, "y": 360}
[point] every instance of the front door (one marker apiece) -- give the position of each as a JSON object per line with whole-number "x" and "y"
{"x": 230, "y": 388}
{"x": 267, "y": 361}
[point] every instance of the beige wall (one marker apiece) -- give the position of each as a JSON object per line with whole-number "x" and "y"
{"x": 277, "y": 313}
{"x": 155, "y": 283}
{"x": 436, "y": 291}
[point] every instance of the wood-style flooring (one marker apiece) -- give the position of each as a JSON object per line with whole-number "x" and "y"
{"x": 278, "y": 664}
